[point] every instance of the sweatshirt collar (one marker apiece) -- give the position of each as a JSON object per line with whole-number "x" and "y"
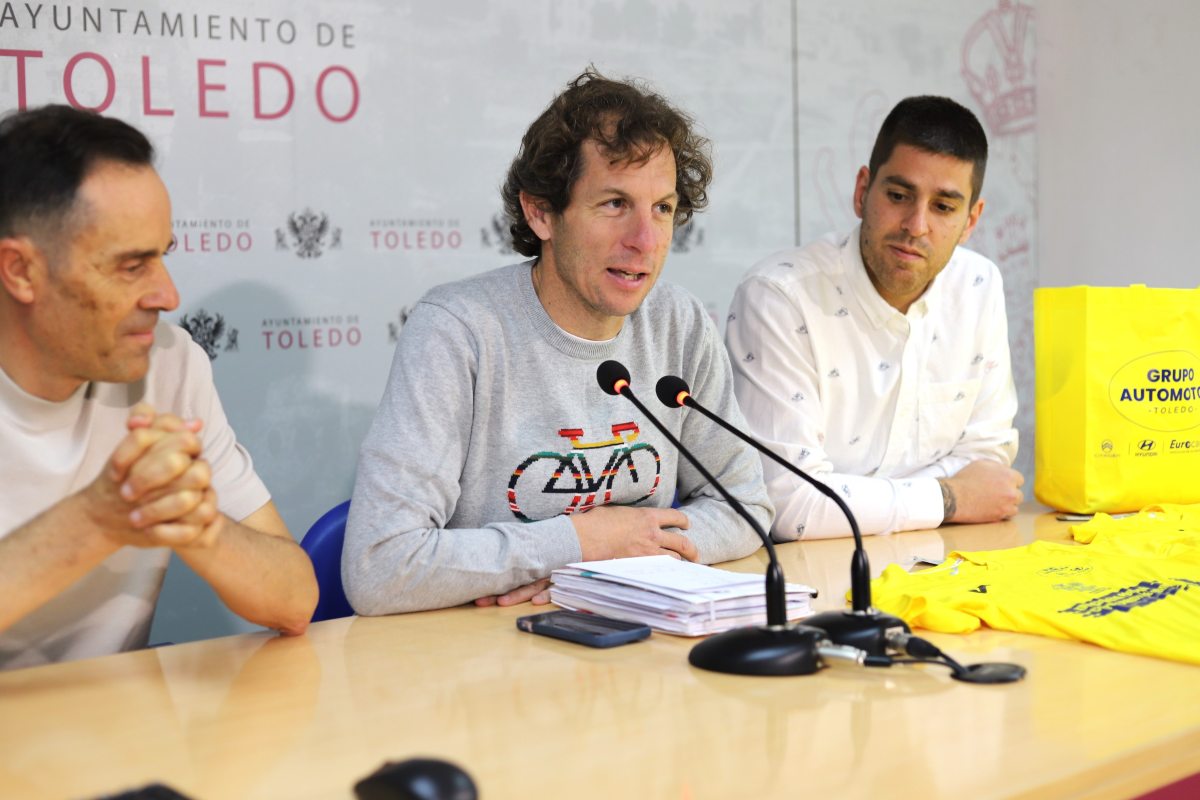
{"x": 556, "y": 337}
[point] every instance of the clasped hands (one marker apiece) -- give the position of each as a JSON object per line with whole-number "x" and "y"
{"x": 156, "y": 490}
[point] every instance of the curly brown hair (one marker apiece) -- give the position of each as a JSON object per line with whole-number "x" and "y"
{"x": 628, "y": 121}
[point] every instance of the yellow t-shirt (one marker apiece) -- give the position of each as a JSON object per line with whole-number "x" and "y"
{"x": 1178, "y": 524}
{"x": 1135, "y": 587}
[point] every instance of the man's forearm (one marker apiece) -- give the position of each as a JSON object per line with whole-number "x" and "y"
{"x": 428, "y": 568}
{"x": 982, "y": 491}
{"x": 43, "y": 557}
{"x": 719, "y": 532}
{"x": 879, "y": 505}
{"x": 265, "y": 579}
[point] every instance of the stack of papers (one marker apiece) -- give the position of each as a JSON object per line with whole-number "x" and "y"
{"x": 670, "y": 595}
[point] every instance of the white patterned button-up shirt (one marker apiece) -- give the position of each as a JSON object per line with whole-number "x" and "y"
{"x": 876, "y": 403}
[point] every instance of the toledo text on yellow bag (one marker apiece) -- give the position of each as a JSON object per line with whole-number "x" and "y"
{"x": 1117, "y": 400}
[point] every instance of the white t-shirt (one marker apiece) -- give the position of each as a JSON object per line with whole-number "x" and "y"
{"x": 51, "y": 450}
{"x": 876, "y": 403}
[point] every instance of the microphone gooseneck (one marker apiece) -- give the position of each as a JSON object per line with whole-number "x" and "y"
{"x": 863, "y": 626}
{"x": 674, "y": 392}
{"x": 864, "y": 635}
{"x": 774, "y": 649}
{"x": 614, "y": 378}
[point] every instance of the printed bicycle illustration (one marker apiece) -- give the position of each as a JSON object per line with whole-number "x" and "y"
{"x": 572, "y": 474}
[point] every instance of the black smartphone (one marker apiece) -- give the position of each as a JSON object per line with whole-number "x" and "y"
{"x": 590, "y": 629}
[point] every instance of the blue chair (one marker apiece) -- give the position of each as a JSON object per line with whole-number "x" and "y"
{"x": 323, "y": 543}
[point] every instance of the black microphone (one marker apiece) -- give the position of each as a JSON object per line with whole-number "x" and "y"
{"x": 774, "y": 649}
{"x": 863, "y": 626}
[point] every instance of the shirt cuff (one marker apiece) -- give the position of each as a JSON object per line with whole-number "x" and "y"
{"x": 561, "y": 545}
{"x": 923, "y": 504}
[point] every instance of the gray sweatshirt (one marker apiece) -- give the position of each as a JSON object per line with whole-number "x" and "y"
{"x": 492, "y": 430}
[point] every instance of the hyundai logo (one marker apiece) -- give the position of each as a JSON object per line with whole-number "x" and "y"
{"x": 1146, "y": 444}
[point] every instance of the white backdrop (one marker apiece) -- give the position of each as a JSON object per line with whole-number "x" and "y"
{"x": 330, "y": 162}
{"x": 1117, "y": 154}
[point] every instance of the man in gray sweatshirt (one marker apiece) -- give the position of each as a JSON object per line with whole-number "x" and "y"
{"x": 494, "y": 457}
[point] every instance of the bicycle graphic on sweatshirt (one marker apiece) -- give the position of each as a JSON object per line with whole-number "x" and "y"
{"x": 572, "y": 474}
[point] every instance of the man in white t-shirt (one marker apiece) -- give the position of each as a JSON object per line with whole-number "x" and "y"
{"x": 116, "y": 451}
{"x": 878, "y": 360}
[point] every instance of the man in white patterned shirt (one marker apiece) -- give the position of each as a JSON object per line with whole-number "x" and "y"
{"x": 878, "y": 360}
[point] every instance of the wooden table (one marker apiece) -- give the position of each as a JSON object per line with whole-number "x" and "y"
{"x": 258, "y": 716}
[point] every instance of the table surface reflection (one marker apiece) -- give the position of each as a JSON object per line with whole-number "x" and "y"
{"x": 259, "y": 716}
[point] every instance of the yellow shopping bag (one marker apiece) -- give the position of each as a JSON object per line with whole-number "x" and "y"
{"x": 1117, "y": 400}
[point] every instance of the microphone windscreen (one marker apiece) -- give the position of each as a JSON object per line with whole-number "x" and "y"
{"x": 670, "y": 389}
{"x": 610, "y": 374}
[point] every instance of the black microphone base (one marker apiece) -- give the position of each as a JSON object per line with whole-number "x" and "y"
{"x": 865, "y": 631}
{"x": 785, "y": 650}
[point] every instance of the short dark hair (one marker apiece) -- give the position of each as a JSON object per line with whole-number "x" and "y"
{"x": 935, "y": 125}
{"x": 47, "y": 152}
{"x": 629, "y": 123}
